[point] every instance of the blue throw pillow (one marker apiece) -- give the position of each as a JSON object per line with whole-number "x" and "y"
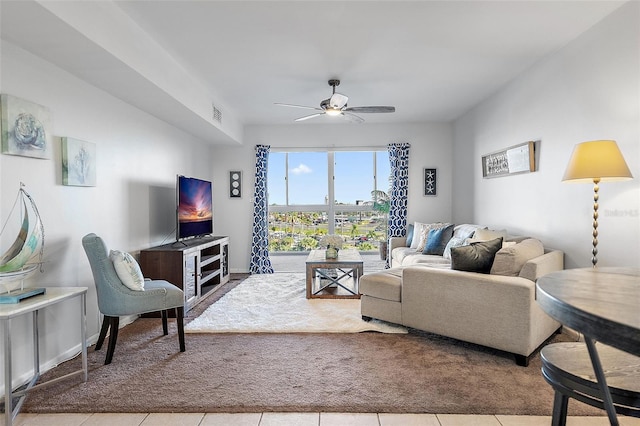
{"x": 409, "y": 235}
{"x": 437, "y": 240}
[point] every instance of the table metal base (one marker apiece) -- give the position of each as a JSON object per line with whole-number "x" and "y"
{"x": 32, "y": 306}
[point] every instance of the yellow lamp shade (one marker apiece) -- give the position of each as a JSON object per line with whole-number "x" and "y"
{"x": 601, "y": 160}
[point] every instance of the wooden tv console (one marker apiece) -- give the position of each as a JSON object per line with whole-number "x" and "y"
{"x": 198, "y": 266}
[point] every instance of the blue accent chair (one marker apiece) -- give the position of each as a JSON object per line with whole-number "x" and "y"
{"x": 116, "y": 300}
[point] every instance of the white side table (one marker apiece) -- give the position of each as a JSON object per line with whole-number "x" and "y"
{"x": 52, "y": 296}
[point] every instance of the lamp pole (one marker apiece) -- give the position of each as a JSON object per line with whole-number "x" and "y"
{"x": 594, "y": 251}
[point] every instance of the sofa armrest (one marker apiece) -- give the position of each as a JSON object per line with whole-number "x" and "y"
{"x": 395, "y": 242}
{"x": 549, "y": 262}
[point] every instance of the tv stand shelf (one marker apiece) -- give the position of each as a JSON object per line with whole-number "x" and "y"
{"x": 198, "y": 266}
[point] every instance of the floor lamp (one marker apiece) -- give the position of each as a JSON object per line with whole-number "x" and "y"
{"x": 596, "y": 161}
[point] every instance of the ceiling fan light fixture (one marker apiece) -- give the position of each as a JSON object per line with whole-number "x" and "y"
{"x": 336, "y": 105}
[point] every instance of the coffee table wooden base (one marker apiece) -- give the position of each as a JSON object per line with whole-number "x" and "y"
{"x": 333, "y": 278}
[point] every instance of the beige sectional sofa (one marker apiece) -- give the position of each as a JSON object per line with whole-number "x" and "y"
{"x": 496, "y": 309}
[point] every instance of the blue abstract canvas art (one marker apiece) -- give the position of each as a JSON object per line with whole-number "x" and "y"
{"x": 78, "y": 162}
{"x": 26, "y": 128}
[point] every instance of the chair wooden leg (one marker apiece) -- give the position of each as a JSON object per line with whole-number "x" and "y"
{"x": 560, "y": 403}
{"x": 180, "y": 323}
{"x": 165, "y": 327}
{"x": 115, "y": 323}
{"x": 103, "y": 332}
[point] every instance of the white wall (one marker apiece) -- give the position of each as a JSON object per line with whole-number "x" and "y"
{"x": 588, "y": 90}
{"x": 132, "y": 206}
{"x": 430, "y": 147}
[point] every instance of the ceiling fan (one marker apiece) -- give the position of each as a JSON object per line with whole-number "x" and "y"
{"x": 337, "y": 105}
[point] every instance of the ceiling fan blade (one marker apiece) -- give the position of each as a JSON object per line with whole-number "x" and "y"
{"x": 369, "y": 109}
{"x": 338, "y": 100}
{"x": 353, "y": 118}
{"x": 297, "y": 106}
{"x": 306, "y": 117}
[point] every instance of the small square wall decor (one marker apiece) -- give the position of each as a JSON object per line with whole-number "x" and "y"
{"x": 26, "y": 128}
{"x": 430, "y": 182}
{"x": 78, "y": 162}
{"x": 235, "y": 184}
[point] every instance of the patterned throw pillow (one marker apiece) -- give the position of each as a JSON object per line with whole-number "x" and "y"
{"x": 127, "y": 269}
{"x": 453, "y": 242}
{"x": 476, "y": 257}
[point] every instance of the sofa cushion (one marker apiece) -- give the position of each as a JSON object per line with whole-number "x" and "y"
{"x": 431, "y": 260}
{"x": 385, "y": 284}
{"x": 437, "y": 240}
{"x": 400, "y": 253}
{"x": 476, "y": 257}
{"x": 509, "y": 260}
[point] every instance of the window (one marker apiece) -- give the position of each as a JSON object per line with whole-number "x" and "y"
{"x": 316, "y": 193}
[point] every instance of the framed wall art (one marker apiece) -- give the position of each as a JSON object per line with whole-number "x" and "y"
{"x": 26, "y": 128}
{"x": 516, "y": 159}
{"x": 78, "y": 162}
{"x": 235, "y": 184}
{"x": 430, "y": 182}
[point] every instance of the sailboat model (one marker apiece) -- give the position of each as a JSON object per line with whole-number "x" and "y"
{"x": 25, "y": 254}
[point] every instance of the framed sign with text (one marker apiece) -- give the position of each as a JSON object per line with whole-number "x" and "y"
{"x": 516, "y": 159}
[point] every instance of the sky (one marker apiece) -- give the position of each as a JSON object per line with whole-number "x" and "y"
{"x": 308, "y": 182}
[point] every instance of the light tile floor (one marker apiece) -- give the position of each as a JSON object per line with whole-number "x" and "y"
{"x": 300, "y": 419}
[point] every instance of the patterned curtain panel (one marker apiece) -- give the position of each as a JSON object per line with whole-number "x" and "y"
{"x": 260, "y": 262}
{"x": 399, "y": 159}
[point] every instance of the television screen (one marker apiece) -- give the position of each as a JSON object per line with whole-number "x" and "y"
{"x": 195, "y": 207}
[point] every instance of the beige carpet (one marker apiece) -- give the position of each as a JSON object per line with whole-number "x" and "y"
{"x": 364, "y": 372}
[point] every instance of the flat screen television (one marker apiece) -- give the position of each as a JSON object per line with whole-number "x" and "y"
{"x": 195, "y": 207}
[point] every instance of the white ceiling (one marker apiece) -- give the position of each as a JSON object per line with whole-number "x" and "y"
{"x": 432, "y": 60}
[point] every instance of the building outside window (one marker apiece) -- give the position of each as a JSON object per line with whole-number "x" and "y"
{"x": 315, "y": 193}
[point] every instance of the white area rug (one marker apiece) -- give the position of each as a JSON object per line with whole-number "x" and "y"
{"x": 277, "y": 303}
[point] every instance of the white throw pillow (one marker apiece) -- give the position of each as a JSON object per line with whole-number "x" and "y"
{"x": 127, "y": 269}
{"x": 509, "y": 260}
{"x": 466, "y": 230}
{"x": 489, "y": 234}
{"x": 417, "y": 230}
